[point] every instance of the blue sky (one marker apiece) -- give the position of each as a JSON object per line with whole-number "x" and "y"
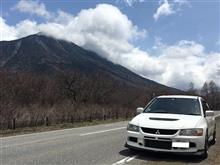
{"x": 157, "y": 27}
{"x": 197, "y": 20}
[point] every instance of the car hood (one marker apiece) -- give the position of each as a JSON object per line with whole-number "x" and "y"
{"x": 165, "y": 121}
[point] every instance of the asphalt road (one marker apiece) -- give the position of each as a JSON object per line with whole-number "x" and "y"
{"x": 101, "y": 144}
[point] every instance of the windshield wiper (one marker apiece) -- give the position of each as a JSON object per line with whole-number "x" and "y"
{"x": 158, "y": 111}
{"x": 192, "y": 114}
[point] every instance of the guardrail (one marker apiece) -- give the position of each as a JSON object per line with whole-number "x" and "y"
{"x": 48, "y": 120}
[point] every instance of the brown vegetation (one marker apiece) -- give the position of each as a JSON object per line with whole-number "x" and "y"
{"x": 29, "y": 99}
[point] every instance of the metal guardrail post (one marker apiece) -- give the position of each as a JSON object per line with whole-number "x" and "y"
{"x": 47, "y": 121}
{"x": 13, "y": 123}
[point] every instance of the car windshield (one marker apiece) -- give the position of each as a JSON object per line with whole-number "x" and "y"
{"x": 186, "y": 106}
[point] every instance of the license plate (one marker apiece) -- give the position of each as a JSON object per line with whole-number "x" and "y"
{"x": 180, "y": 144}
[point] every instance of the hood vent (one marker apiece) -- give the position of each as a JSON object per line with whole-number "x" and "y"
{"x": 163, "y": 119}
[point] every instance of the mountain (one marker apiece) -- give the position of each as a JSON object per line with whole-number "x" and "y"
{"x": 42, "y": 54}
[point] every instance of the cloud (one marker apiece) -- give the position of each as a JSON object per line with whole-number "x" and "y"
{"x": 63, "y": 17}
{"x": 165, "y": 8}
{"x": 131, "y": 2}
{"x": 108, "y": 32}
{"x": 184, "y": 62}
{"x": 7, "y": 32}
{"x": 182, "y": 2}
{"x": 32, "y": 7}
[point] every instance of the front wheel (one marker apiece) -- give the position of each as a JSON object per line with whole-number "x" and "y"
{"x": 206, "y": 147}
{"x": 213, "y": 137}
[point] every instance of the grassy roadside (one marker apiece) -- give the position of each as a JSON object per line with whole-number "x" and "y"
{"x": 27, "y": 130}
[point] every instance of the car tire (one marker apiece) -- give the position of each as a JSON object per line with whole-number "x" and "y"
{"x": 204, "y": 154}
{"x": 214, "y": 137}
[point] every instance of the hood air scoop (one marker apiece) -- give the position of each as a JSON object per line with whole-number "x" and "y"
{"x": 163, "y": 119}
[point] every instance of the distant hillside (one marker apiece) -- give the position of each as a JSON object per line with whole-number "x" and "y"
{"x": 42, "y": 54}
{"x": 45, "y": 78}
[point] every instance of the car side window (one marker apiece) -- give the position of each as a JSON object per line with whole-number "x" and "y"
{"x": 205, "y": 106}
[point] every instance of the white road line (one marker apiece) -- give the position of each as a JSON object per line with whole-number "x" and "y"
{"x": 51, "y": 139}
{"x": 108, "y": 130}
{"x": 58, "y": 137}
{"x": 53, "y": 131}
{"x": 125, "y": 160}
{"x": 38, "y": 133}
{"x": 35, "y": 141}
{"x": 121, "y": 161}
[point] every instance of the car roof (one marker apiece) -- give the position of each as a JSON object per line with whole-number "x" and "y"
{"x": 178, "y": 96}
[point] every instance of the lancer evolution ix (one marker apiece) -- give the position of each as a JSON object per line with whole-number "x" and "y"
{"x": 173, "y": 123}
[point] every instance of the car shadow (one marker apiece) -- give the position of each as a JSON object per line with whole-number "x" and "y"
{"x": 160, "y": 156}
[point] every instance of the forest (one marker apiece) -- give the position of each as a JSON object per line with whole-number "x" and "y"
{"x": 29, "y": 99}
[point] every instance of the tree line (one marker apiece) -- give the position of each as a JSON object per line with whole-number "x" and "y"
{"x": 210, "y": 91}
{"x": 30, "y": 98}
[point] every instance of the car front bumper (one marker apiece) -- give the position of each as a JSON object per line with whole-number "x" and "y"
{"x": 164, "y": 143}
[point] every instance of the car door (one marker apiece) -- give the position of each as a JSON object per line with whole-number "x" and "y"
{"x": 209, "y": 119}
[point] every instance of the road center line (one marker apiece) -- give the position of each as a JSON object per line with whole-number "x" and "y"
{"x": 55, "y": 138}
{"x": 35, "y": 141}
{"x": 53, "y": 131}
{"x": 108, "y": 130}
{"x": 125, "y": 160}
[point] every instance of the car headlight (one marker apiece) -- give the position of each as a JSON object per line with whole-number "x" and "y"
{"x": 191, "y": 132}
{"x": 132, "y": 127}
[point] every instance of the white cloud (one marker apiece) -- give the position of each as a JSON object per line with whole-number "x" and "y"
{"x": 7, "y": 32}
{"x": 33, "y": 7}
{"x": 107, "y": 31}
{"x": 22, "y": 29}
{"x": 131, "y": 2}
{"x": 164, "y": 9}
{"x": 182, "y": 2}
{"x": 63, "y": 17}
{"x": 26, "y": 27}
{"x": 183, "y": 63}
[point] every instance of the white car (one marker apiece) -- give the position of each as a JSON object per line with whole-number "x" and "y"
{"x": 174, "y": 123}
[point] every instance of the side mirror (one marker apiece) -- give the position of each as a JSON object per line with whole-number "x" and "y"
{"x": 140, "y": 110}
{"x": 209, "y": 113}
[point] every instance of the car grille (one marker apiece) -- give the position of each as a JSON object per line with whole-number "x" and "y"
{"x": 159, "y": 131}
{"x": 158, "y": 144}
